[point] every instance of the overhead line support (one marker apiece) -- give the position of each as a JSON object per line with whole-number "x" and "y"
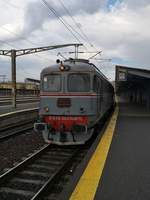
{"x": 13, "y": 53}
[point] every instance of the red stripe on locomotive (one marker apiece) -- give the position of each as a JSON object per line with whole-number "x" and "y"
{"x": 57, "y": 121}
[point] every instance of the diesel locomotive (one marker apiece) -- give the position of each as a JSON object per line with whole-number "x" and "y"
{"x": 74, "y": 96}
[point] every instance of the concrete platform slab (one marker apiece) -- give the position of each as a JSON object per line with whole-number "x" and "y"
{"x": 126, "y": 175}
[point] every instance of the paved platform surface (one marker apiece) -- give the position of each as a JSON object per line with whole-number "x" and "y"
{"x": 9, "y": 108}
{"x": 126, "y": 175}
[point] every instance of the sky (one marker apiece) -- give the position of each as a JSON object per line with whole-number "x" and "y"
{"x": 118, "y": 28}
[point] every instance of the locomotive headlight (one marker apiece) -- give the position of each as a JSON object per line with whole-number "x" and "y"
{"x": 46, "y": 109}
{"x": 62, "y": 68}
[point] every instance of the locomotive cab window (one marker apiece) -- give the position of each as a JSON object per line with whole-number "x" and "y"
{"x": 52, "y": 83}
{"x": 78, "y": 82}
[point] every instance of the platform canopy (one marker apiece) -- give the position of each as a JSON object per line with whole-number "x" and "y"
{"x": 133, "y": 84}
{"x": 31, "y": 80}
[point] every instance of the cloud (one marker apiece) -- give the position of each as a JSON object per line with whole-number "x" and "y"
{"x": 134, "y": 4}
{"x": 37, "y": 14}
{"x": 87, "y": 7}
{"x": 34, "y": 17}
{"x": 122, "y": 31}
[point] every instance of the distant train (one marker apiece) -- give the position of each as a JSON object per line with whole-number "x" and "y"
{"x": 74, "y": 96}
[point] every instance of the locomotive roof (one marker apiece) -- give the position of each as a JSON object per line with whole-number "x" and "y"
{"x": 76, "y": 65}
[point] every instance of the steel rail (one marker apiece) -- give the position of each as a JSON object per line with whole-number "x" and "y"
{"x": 63, "y": 157}
{"x": 12, "y": 171}
{"x": 19, "y": 101}
{"x": 47, "y": 186}
{"x": 17, "y": 129}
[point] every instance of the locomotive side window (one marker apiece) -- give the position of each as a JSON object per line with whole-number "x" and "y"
{"x": 52, "y": 83}
{"x": 79, "y": 83}
{"x": 96, "y": 84}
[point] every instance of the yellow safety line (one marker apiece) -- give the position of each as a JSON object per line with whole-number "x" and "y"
{"x": 88, "y": 183}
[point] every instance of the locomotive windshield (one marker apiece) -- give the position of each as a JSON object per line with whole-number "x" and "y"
{"x": 79, "y": 83}
{"x": 52, "y": 83}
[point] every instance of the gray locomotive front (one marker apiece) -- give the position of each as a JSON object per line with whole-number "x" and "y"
{"x": 70, "y": 106}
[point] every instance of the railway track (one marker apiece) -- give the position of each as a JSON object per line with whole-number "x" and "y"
{"x": 19, "y": 101}
{"x": 33, "y": 177}
{"x": 40, "y": 176}
{"x": 15, "y": 129}
{"x": 17, "y": 122}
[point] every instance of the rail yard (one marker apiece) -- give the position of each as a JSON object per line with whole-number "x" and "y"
{"x": 74, "y": 100}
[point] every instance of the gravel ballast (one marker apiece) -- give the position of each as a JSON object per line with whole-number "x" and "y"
{"x": 16, "y": 148}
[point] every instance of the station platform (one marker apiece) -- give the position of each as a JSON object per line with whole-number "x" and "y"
{"x": 9, "y": 108}
{"x": 120, "y": 166}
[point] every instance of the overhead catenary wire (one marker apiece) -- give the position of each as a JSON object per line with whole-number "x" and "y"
{"x": 52, "y": 9}
{"x": 6, "y": 61}
{"x": 68, "y": 26}
{"x": 77, "y": 25}
{"x": 20, "y": 68}
{"x": 68, "y": 12}
{"x": 7, "y": 43}
{"x": 82, "y": 35}
{"x": 22, "y": 38}
{"x": 60, "y": 18}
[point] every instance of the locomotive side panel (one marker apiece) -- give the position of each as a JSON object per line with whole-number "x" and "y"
{"x": 105, "y": 93}
{"x": 106, "y": 101}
